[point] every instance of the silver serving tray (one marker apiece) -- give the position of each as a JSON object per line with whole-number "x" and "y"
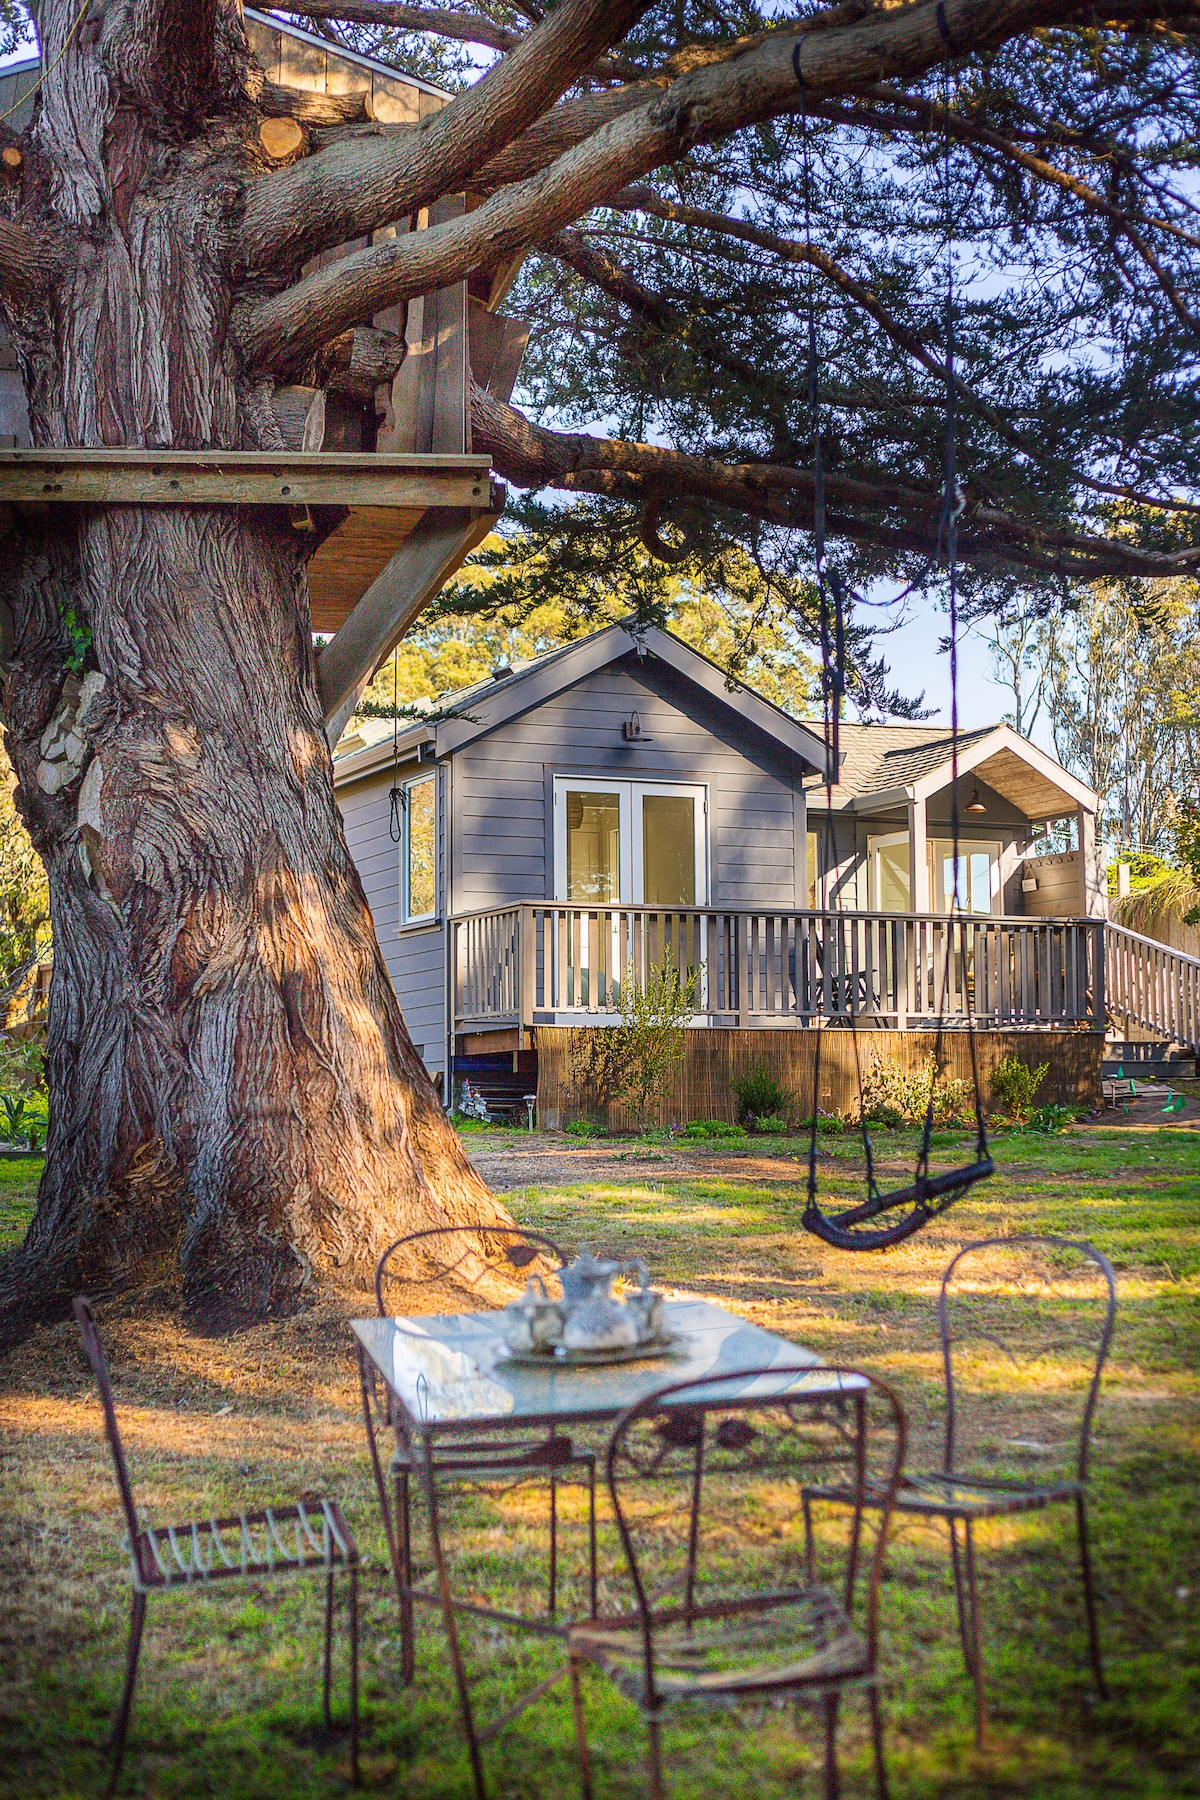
{"x": 558, "y": 1357}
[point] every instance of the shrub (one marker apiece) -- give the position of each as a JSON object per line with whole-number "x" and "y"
{"x": 584, "y": 1128}
{"x": 1051, "y": 1118}
{"x": 893, "y": 1096}
{"x": 1014, "y": 1085}
{"x": 759, "y": 1095}
{"x": 697, "y": 1130}
{"x": 828, "y": 1124}
{"x": 773, "y": 1122}
{"x": 636, "y": 1061}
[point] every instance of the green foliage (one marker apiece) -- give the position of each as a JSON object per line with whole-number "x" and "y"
{"x": 1014, "y": 1085}
{"x": 772, "y": 1122}
{"x": 24, "y": 1119}
{"x": 1118, "y": 674}
{"x": 759, "y": 1093}
{"x": 636, "y": 1061}
{"x": 1051, "y": 1118}
{"x": 79, "y": 640}
{"x": 704, "y": 1130}
{"x": 895, "y": 1096}
{"x": 585, "y": 1128}
{"x": 24, "y": 901}
{"x": 828, "y": 1124}
{"x": 1186, "y": 834}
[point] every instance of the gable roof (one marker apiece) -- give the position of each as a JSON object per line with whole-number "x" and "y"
{"x": 473, "y": 712}
{"x": 885, "y": 766}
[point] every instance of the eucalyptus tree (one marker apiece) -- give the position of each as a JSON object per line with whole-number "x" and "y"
{"x": 234, "y": 1094}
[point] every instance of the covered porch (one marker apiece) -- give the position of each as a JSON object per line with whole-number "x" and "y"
{"x": 515, "y": 968}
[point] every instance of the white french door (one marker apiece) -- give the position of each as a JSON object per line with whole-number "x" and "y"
{"x": 636, "y": 842}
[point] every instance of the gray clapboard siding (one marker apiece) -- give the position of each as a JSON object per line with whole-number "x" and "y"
{"x": 505, "y": 844}
{"x": 415, "y": 957}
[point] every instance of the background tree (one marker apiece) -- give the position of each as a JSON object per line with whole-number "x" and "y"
{"x": 232, "y": 1083}
{"x": 511, "y": 601}
{"x": 1119, "y": 677}
{"x": 24, "y": 904}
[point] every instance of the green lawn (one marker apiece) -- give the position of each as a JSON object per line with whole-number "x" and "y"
{"x": 229, "y": 1700}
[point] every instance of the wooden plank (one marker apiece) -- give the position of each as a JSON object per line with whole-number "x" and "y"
{"x": 244, "y": 478}
{"x": 409, "y": 580}
{"x": 715, "y": 1057}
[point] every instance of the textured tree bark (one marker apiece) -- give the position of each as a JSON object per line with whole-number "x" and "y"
{"x": 235, "y": 1102}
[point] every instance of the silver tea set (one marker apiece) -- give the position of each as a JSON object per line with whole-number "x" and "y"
{"x": 589, "y": 1316}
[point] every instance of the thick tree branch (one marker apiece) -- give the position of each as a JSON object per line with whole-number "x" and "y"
{"x": 463, "y": 27}
{"x": 646, "y": 200}
{"x": 696, "y": 108}
{"x": 362, "y": 184}
{"x": 883, "y": 513}
{"x": 28, "y": 264}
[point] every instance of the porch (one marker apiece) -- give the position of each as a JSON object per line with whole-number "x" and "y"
{"x": 519, "y": 967}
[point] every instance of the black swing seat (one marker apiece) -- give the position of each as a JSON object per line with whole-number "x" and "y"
{"x": 949, "y": 1184}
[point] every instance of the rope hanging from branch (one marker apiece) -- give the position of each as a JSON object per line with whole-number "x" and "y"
{"x": 889, "y": 1216}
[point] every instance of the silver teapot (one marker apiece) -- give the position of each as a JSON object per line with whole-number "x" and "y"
{"x": 535, "y": 1321}
{"x": 595, "y": 1320}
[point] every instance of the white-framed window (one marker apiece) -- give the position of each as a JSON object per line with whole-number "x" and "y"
{"x": 971, "y": 882}
{"x": 418, "y": 849}
{"x": 637, "y": 842}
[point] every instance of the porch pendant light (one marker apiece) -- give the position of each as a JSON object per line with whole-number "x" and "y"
{"x": 975, "y": 804}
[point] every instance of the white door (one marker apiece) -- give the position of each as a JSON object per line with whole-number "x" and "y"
{"x": 640, "y": 842}
{"x": 890, "y": 873}
{"x": 969, "y": 883}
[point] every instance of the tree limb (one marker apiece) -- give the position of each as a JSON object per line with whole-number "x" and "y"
{"x": 648, "y": 201}
{"x": 362, "y": 184}
{"x": 696, "y": 108}
{"x": 968, "y": 132}
{"x": 28, "y": 264}
{"x": 882, "y": 513}
{"x": 463, "y": 27}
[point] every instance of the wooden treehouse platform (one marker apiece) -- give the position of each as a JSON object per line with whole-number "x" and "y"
{"x": 377, "y": 466}
{"x": 364, "y": 505}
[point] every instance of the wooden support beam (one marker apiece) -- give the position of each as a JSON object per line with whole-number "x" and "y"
{"x": 918, "y": 859}
{"x": 418, "y": 570}
{"x": 244, "y": 478}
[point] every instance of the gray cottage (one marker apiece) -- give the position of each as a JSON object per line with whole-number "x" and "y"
{"x": 547, "y": 831}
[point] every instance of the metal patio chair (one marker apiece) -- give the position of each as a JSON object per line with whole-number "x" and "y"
{"x": 305, "y": 1536}
{"x": 972, "y": 1325}
{"x": 706, "y": 1492}
{"x": 463, "y": 1255}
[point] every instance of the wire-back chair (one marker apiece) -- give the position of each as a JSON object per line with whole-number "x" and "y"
{"x": 305, "y": 1536}
{"x": 1025, "y": 1324}
{"x": 413, "y": 1276}
{"x": 706, "y": 1490}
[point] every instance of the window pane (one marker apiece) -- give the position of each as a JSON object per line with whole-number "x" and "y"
{"x": 981, "y": 881}
{"x": 593, "y": 846}
{"x": 892, "y": 878}
{"x": 420, "y": 850}
{"x": 668, "y": 850}
{"x": 814, "y": 875}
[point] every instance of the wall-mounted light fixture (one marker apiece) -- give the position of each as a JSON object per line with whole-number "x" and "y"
{"x": 632, "y": 729}
{"x": 975, "y": 804}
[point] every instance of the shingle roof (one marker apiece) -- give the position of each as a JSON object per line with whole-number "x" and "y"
{"x": 878, "y": 758}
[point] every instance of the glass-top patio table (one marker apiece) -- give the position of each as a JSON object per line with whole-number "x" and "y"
{"x": 450, "y": 1376}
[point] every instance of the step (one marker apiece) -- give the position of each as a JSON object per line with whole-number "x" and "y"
{"x": 1167, "y": 1068}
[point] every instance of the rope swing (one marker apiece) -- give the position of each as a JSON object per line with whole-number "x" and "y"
{"x": 888, "y": 1216}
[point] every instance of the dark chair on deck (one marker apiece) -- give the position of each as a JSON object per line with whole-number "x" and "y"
{"x": 705, "y": 1483}
{"x": 305, "y": 1536}
{"x": 995, "y": 1292}
{"x": 412, "y": 1272}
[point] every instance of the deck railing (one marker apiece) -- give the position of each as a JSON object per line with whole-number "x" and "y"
{"x": 1154, "y": 986}
{"x": 545, "y": 964}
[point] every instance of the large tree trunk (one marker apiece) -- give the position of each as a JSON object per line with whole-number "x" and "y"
{"x": 234, "y": 1098}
